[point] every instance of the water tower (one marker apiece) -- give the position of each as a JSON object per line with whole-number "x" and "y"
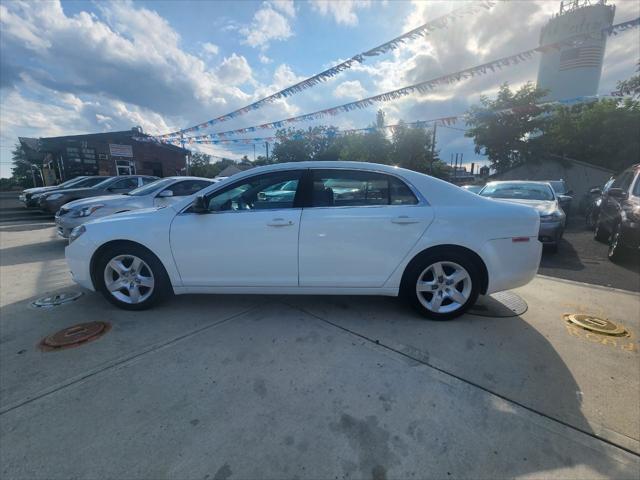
{"x": 574, "y": 71}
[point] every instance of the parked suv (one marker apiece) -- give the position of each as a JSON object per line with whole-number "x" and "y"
{"x": 565, "y": 196}
{"x": 619, "y": 218}
{"x": 51, "y": 202}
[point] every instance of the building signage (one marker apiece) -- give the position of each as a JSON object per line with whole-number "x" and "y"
{"x": 120, "y": 150}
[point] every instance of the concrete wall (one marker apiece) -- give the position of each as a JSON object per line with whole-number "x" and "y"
{"x": 580, "y": 177}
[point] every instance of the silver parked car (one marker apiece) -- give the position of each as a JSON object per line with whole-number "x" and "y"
{"x": 156, "y": 194}
{"x": 539, "y": 195}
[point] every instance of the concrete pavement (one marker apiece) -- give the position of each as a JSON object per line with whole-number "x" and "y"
{"x": 311, "y": 387}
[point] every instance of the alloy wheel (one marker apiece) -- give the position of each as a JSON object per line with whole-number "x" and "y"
{"x": 129, "y": 279}
{"x": 443, "y": 287}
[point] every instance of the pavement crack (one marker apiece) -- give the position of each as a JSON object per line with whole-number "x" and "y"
{"x": 425, "y": 362}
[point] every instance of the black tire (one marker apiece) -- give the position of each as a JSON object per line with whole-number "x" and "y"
{"x": 616, "y": 244}
{"x": 600, "y": 234}
{"x": 162, "y": 285}
{"x": 416, "y": 268}
{"x": 552, "y": 248}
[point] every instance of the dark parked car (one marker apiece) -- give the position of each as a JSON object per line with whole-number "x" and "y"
{"x": 565, "y": 196}
{"x": 593, "y": 204}
{"x": 31, "y": 196}
{"x": 619, "y": 218}
{"x": 52, "y": 201}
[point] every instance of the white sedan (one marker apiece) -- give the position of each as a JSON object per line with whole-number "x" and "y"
{"x": 156, "y": 194}
{"x": 348, "y": 228}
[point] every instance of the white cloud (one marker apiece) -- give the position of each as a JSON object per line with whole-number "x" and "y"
{"x": 264, "y": 59}
{"x": 352, "y": 89}
{"x": 267, "y": 25}
{"x": 343, "y": 11}
{"x": 210, "y": 49}
{"x": 285, "y": 6}
{"x": 234, "y": 70}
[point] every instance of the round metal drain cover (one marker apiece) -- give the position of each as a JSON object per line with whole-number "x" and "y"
{"x": 57, "y": 299}
{"x": 75, "y": 335}
{"x": 501, "y": 304}
{"x": 596, "y": 324}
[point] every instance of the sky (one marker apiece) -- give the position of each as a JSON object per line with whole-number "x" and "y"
{"x": 71, "y": 67}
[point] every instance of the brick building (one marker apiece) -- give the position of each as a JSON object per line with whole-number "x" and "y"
{"x": 113, "y": 153}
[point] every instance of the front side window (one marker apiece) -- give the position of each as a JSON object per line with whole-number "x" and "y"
{"x": 187, "y": 187}
{"x": 270, "y": 191}
{"x": 126, "y": 184}
{"x": 350, "y": 188}
{"x": 623, "y": 181}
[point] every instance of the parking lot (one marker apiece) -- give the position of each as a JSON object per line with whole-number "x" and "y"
{"x": 224, "y": 387}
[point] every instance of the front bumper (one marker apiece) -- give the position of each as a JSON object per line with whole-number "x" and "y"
{"x": 550, "y": 232}
{"x": 78, "y": 256}
{"x": 51, "y": 206}
{"x": 66, "y": 223}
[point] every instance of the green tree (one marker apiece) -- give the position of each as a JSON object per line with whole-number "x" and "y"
{"x": 411, "y": 148}
{"x": 508, "y": 138}
{"x": 604, "y": 133}
{"x": 631, "y": 86}
{"x": 23, "y": 172}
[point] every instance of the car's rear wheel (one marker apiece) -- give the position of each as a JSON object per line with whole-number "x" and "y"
{"x": 443, "y": 285}
{"x": 600, "y": 234}
{"x": 131, "y": 277}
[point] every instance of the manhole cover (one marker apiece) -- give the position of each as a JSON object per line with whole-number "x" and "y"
{"x": 74, "y": 336}
{"x": 57, "y": 299}
{"x": 596, "y": 324}
{"x": 501, "y": 304}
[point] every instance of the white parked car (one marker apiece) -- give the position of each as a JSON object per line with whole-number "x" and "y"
{"x": 350, "y": 228}
{"x": 159, "y": 193}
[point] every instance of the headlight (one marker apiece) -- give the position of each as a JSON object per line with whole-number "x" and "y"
{"x": 34, "y": 195}
{"x": 53, "y": 196}
{"x": 551, "y": 217}
{"x": 86, "y": 211}
{"x": 76, "y": 232}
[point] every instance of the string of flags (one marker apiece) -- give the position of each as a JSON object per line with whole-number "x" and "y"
{"x": 422, "y": 87}
{"x": 421, "y": 31}
{"x": 443, "y": 121}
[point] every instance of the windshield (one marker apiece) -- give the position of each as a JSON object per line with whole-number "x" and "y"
{"x": 520, "y": 191}
{"x": 71, "y": 182}
{"x": 89, "y": 182}
{"x": 559, "y": 187}
{"x": 151, "y": 187}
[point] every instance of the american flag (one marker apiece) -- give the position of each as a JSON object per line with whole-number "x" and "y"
{"x": 581, "y": 57}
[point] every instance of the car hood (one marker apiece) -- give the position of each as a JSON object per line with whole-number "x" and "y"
{"x": 131, "y": 215}
{"x": 75, "y": 191}
{"x": 106, "y": 199}
{"x": 40, "y": 189}
{"x": 544, "y": 207}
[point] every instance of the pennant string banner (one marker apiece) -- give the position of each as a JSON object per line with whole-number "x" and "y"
{"x": 444, "y": 121}
{"x": 421, "y": 31}
{"x": 423, "y": 87}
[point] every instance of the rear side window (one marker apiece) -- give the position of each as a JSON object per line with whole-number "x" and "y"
{"x": 350, "y": 188}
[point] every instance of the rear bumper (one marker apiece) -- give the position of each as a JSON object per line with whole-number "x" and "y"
{"x": 511, "y": 264}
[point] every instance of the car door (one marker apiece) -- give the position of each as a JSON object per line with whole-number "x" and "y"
{"x": 179, "y": 190}
{"x": 359, "y": 228}
{"x": 246, "y": 238}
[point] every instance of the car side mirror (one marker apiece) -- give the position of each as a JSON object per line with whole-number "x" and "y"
{"x": 165, "y": 194}
{"x": 200, "y": 205}
{"x": 617, "y": 193}
{"x": 569, "y": 193}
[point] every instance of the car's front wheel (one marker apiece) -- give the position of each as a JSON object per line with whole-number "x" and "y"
{"x": 442, "y": 286}
{"x": 131, "y": 277}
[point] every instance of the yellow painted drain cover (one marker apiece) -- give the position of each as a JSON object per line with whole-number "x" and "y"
{"x": 596, "y": 324}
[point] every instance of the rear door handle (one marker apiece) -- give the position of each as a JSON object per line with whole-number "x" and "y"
{"x": 404, "y": 219}
{"x": 280, "y": 222}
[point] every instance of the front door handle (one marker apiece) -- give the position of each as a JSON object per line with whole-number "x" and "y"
{"x": 404, "y": 219}
{"x": 280, "y": 222}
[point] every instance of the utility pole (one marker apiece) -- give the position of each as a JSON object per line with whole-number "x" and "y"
{"x": 186, "y": 157}
{"x": 254, "y": 152}
{"x": 433, "y": 147}
{"x": 266, "y": 145}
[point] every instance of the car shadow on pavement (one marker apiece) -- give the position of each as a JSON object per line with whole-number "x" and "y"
{"x": 566, "y": 258}
{"x": 33, "y": 252}
{"x": 25, "y": 227}
{"x": 506, "y": 357}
